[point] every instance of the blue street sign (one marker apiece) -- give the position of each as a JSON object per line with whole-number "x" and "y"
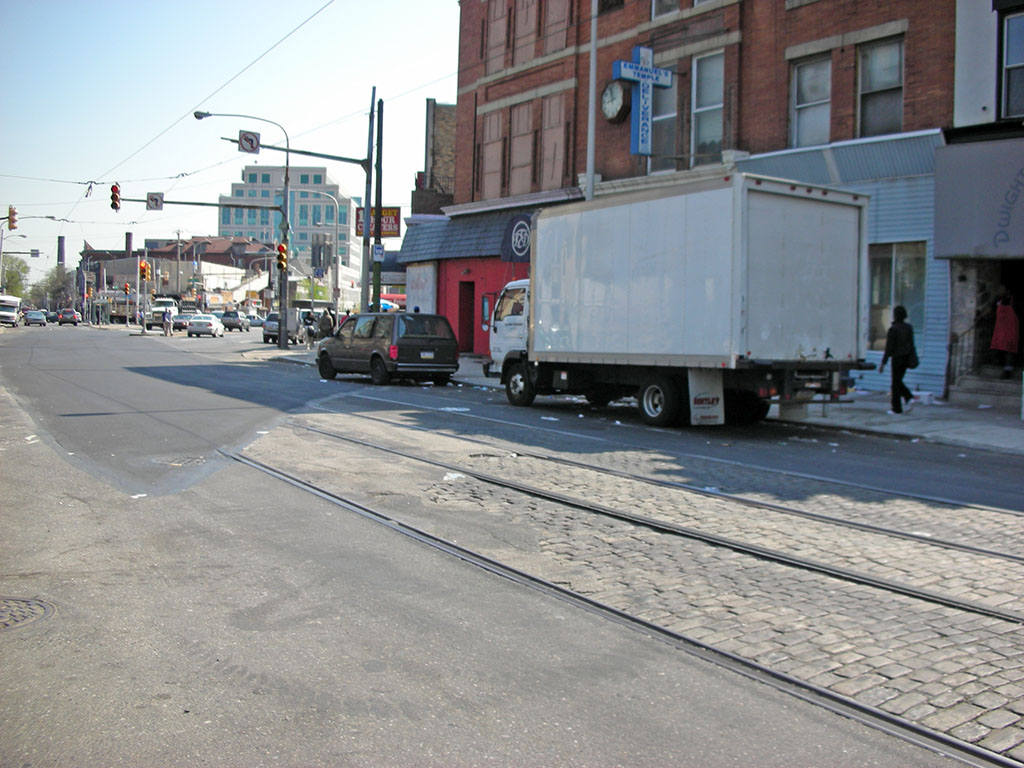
{"x": 645, "y": 76}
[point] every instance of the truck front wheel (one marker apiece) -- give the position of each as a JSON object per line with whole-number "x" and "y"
{"x": 658, "y": 401}
{"x": 519, "y": 388}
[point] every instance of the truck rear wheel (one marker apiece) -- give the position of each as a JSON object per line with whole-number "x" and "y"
{"x": 658, "y": 401}
{"x": 519, "y": 388}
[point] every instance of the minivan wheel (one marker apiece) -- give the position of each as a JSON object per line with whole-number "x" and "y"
{"x": 658, "y": 401}
{"x": 323, "y": 365}
{"x": 378, "y": 372}
{"x": 519, "y": 388}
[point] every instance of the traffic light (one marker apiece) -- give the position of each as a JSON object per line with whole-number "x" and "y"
{"x": 149, "y": 271}
{"x": 115, "y": 196}
{"x": 127, "y": 289}
{"x": 142, "y": 270}
{"x": 282, "y": 257}
{"x": 12, "y": 217}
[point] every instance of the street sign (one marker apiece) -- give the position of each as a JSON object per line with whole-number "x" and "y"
{"x": 154, "y": 201}
{"x": 378, "y": 252}
{"x": 249, "y": 141}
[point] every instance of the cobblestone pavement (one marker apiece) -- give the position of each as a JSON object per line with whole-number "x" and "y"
{"x": 948, "y": 670}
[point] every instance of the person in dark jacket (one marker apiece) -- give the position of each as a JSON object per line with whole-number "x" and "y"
{"x": 899, "y": 346}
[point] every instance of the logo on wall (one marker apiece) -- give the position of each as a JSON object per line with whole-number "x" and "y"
{"x": 515, "y": 245}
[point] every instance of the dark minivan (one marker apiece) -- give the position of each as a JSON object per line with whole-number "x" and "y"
{"x": 391, "y": 345}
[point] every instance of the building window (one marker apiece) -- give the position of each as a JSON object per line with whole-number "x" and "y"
{"x": 664, "y": 109}
{"x": 661, "y": 7}
{"x": 1013, "y": 65}
{"x": 303, "y": 215}
{"x": 264, "y": 217}
{"x": 329, "y": 214}
{"x": 493, "y": 156}
{"x": 304, "y": 178}
{"x": 555, "y": 25}
{"x": 251, "y": 216}
{"x": 708, "y": 108}
{"x": 264, "y": 178}
{"x": 881, "y": 88}
{"x": 225, "y": 216}
{"x": 526, "y": 31}
{"x": 303, "y": 194}
{"x": 552, "y": 141}
{"x": 316, "y": 215}
{"x": 238, "y": 218}
{"x": 252, "y": 178}
{"x": 521, "y": 161}
{"x": 264, "y": 193}
{"x": 239, "y": 193}
{"x": 318, "y": 179}
{"x": 252, "y": 193}
{"x": 497, "y": 36}
{"x": 811, "y": 95}
{"x": 897, "y": 277}
{"x": 609, "y": 5}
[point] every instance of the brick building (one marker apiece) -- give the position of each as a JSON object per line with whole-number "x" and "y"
{"x": 860, "y": 94}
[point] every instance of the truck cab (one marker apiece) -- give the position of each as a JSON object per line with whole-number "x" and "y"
{"x": 509, "y": 325}
{"x": 155, "y": 316}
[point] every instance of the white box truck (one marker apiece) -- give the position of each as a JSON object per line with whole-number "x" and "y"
{"x": 704, "y": 299}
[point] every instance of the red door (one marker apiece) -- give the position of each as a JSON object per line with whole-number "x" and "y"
{"x": 467, "y": 306}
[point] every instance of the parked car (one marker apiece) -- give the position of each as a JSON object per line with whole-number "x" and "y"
{"x": 391, "y": 345}
{"x": 72, "y": 316}
{"x": 35, "y": 317}
{"x": 200, "y": 325}
{"x": 180, "y": 321}
{"x": 234, "y": 320}
{"x": 256, "y": 321}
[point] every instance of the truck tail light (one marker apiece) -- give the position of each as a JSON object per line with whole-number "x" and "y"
{"x": 393, "y": 352}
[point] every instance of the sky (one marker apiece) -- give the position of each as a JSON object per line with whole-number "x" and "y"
{"x": 103, "y": 91}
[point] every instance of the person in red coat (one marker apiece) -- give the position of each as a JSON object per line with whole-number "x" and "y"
{"x": 1005, "y": 335}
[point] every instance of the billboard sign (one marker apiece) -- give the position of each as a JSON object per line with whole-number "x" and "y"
{"x": 390, "y": 222}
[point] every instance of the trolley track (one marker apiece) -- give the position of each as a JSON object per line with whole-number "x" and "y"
{"x": 905, "y": 728}
{"x": 661, "y": 526}
{"x": 934, "y": 536}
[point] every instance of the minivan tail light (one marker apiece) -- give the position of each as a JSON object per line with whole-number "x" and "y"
{"x": 393, "y": 351}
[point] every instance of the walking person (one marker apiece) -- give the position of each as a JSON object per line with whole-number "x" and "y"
{"x": 168, "y": 322}
{"x": 1005, "y": 335}
{"x": 326, "y": 324}
{"x": 899, "y": 347}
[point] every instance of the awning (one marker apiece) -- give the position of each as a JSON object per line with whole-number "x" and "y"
{"x": 496, "y": 233}
{"x": 979, "y": 200}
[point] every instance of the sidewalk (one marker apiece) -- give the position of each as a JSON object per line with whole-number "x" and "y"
{"x": 861, "y": 411}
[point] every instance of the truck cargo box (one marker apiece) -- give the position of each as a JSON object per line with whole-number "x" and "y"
{"x": 716, "y": 273}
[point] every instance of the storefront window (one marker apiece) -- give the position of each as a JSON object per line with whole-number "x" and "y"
{"x": 897, "y": 277}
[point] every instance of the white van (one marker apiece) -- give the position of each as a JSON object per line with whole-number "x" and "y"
{"x": 10, "y": 310}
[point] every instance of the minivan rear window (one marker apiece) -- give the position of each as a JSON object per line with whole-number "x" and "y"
{"x": 424, "y": 326}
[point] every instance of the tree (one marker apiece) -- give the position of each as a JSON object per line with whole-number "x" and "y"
{"x": 54, "y": 290}
{"x": 14, "y": 280}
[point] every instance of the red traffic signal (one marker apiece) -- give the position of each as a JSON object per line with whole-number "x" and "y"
{"x": 12, "y": 217}
{"x": 115, "y": 196}
{"x": 127, "y": 289}
{"x": 282, "y": 257}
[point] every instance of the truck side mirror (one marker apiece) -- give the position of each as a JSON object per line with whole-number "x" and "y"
{"x": 485, "y": 312}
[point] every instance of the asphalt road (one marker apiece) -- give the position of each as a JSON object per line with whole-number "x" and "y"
{"x": 205, "y": 614}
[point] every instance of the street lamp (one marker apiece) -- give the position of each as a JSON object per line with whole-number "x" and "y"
{"x": 282, "y": 335}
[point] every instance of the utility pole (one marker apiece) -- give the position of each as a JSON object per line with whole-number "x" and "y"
{"x": 380, "y": 199}
{"x": 364, "y": 271}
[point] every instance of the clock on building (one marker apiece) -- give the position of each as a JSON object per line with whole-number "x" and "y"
{"x": 615, "y": 101}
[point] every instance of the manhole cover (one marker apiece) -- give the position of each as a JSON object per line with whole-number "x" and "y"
{"x": 180, "y": 461}
{"x": 16, "y": 611}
